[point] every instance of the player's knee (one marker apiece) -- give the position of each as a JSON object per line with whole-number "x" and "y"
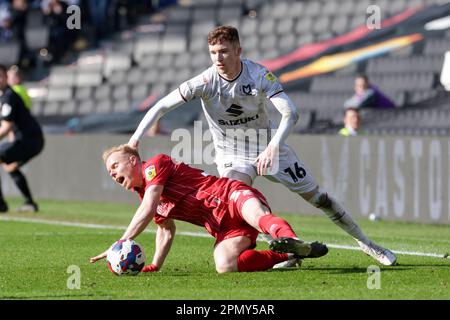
{"x": 225, "y": 266}
{"x": 320, "y": 199}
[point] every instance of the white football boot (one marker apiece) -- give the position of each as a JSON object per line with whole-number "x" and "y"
{"x": 382, "y": 255}
{"x": 293, "y": 262}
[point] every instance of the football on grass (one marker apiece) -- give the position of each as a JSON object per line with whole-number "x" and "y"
{"x": 126, "y": 257}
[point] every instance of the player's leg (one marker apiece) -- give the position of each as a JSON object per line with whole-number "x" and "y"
{"x": 234, "y": 255}
{"x": 236, "y": 175}
{"x": 249, "y": 205}
{"x": 22, "y": 151}
{"x": 236, "y": 169}
{"x": 22, "y": 184}
{"x": 298, "y": 179}
{"x": 334, "y": 210}
{"x": 4, "y": 156}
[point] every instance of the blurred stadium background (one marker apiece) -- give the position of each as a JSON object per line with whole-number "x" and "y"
{"x": 101, "y": 78}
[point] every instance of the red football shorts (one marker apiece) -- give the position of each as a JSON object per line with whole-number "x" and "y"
{"x": 233, "y": 224}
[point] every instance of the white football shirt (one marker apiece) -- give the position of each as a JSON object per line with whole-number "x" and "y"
{"x": 236, "y": 110}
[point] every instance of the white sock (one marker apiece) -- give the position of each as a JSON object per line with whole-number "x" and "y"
{"x": 334, "y": 210}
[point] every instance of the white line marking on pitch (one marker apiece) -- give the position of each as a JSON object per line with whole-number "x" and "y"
{"x": 190, "y": 234}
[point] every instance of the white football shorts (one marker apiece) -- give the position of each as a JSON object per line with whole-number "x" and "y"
{"x": 288, "y": 170}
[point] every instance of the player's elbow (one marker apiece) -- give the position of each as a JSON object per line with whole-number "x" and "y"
{"x": 291, "y": 115}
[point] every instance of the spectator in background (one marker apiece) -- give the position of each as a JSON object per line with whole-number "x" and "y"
{"x": 19, "y": 11}
{"x": 98, "y": 11}
{"x": 352, "y": 121}
{"x": 368, "y": 95}
{"x": 26, "y": 140}
{"x": 6, "y": 31}
{"x": 15, "y": 82}
{"x": 55, "y": 13}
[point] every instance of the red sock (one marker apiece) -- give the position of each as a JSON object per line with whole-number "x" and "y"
{"x": 276, "y": 227}
{"x": 253, "y": 260}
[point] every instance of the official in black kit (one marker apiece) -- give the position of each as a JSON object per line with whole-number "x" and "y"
{"x": 25, "y": 140}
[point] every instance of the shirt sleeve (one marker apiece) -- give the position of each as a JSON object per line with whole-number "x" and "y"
{"x": 7, "y": 111}
{"x": 270, "y": 84}
{"x": 193, "y": 88}
{"x": 158, "y": 170}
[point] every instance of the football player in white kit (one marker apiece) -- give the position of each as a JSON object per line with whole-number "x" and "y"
{"x": 235, "y": 94}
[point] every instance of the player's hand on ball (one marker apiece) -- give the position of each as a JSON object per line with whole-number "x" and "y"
{"x": 133, "y": 144}
{"x": 99, "y": 257}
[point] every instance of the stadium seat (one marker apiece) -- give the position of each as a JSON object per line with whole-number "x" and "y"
{"x": 139, "y": 92}
{"x": 148, "y": 61}
{"x": 248, "y": 27}
{"x": 268, "y": 42}
{"x": 321, "y": 25}
{"x": 51, "y": 108}
{"x": 118, "y": 77}
{"x": 63, "y": 77}
{"x": 103, "y": 106}
{"x": 88, "y": 79}
{"x": 116, "y": 62}
{"x": 330, "y": 8}
{"x": 280, "y": 9}
{"x": 144, "y": 46}
{"x": 284, "y": 26}
{"x": 103, "y": 92}
{"x": 296, "y": 10}
{"x": 35, "y": 18}
{"x": 85, "y": 93}
{"x": 204, "y": 13}
{"x": 37, "y": 37}
{"x": 177, "y": 29}
{"x": 120, "y": 92}
{"x": 165, "y": 61}
{"x": 173, "y": 44}
{"x": 68, "y": 108}
{"x": 121, "y": 105}
{"x": 182, "y": 60}
{"x": 37, "y": 109}
{"x": 339, "y": 24}
{"x": 59, "y": 94}
{"x": 287, "y": 42}
{"x": 179, "y": 14}
{"x": 313, "y": 8}
{"x": 227, "y": 14}
{"x": 86, "y": 107}
{"x": 9, "y": 53}
{"x": 266, "y": 27}
{"x": 134, "y": 76}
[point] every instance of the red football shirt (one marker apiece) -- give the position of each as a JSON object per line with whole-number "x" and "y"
{"x": 189, "y": 194}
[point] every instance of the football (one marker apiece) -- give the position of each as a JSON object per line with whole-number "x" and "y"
{"x": 126, "y": 257}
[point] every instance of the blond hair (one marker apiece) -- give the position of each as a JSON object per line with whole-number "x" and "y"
{"x": 123, "y": 148}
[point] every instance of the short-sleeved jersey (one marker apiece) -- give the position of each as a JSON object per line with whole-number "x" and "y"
{"x": 13, "y": 110}
{"x": 236, "y": 104}
{"x": 189, "y": 194}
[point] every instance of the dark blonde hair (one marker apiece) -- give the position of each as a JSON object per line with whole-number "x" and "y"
{"x": 123, "y": 148}
{"x": 224, "y": 33}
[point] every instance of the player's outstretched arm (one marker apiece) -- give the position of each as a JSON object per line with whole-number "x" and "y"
{"x": 289, "y": 117}
{"x": 145, "y": 213}
{"x": 164, "y": 105}
{"x": 164, "y": 238}
{"x": 5, "y": 128}
{"x": 99, "y": 257}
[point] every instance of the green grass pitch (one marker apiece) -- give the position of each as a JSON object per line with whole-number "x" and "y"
{"x": 35, "y": 258}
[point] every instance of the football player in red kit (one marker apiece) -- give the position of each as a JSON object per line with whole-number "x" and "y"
{"x": 231, "y": 211}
